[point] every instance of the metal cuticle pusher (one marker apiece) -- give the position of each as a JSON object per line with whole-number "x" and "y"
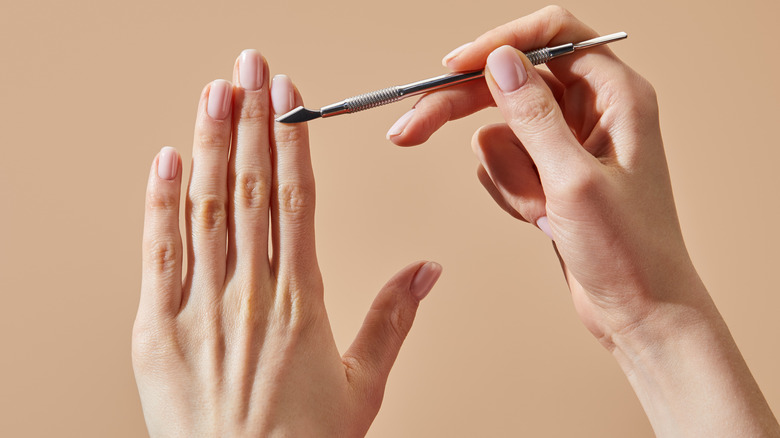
{"x": 394, "y": 94}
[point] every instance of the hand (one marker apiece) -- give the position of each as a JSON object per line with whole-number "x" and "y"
{"x": 244, "y": 346}
{"x": 581, "y": 156}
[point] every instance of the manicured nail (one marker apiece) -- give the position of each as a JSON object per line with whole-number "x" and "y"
{"x": 168, "y": 163}
{"x": 220, "y": 96}
{"x": 250, "y": 70}
{"x": 424, "y": 279}
{"x": 544, "y": 225}
{"x": 507, "y": 69}
{"x": 399, "y": 126}
{"x": 450, "y": 56}
{"x": 282, "y": 95}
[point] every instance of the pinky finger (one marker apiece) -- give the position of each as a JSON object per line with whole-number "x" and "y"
{"x": 162, "y": 246}
{"x": 491, "y": 188}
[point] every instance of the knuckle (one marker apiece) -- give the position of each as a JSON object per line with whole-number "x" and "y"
{"x": 636, "y": 98}
{"x": 163, "y": 254}
{"x": 585, "y": 184}
{"x": 289, "y": 135}
{"x": 399, "y": 321}
{"x": 252, "y": 110}
{"x": 211, "y": 139}
{"x": 251, "y": 191}
{"x": 161, "y": 201}
{"x": 295, "y": 199}
{"x": 209, "y": 212}
{"x": 487, "y": 135}
{"x": 535, "y": 111}
{"x": 302, "y": 317}
{"x": 647, "y": 94}
{"x": 151, "y": 345}
{"x": 558, "y": 12}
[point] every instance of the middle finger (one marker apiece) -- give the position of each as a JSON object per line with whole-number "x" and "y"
{"x": 250, "y": 169}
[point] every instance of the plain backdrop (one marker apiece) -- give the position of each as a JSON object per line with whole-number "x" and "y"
{"x": 91, "y": 90}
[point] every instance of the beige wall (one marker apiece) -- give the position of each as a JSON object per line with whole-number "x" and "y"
{"x": 90, "y": 90}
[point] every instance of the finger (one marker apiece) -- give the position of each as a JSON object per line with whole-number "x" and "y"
{"x": 292, "y": 212}
{"x": 550, "y": 26}
{"x": 162, "y": 248}
{"x": 207, "y": 197}
{"x": 249, "y": 179}
{"x": 433, "y": 110}
{"x": 490, "y": 186}
{"x": 511, "y": 169}
{"x": 534, "y": 116}
{"x": 372, "y": 354}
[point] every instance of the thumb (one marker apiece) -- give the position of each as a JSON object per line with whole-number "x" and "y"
{"x": 530, "y": 109}
{"x": 372, "y": 354}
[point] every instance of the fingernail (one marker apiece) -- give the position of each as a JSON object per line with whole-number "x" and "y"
{"x": 399, "y": 126}
{"x": 220, "y": 96}
{"x": 250, "y": 70}
{"x": 282, "y": 94}
{"x": 544, "y": 225}
{"x": 507, "y": 69}
{"x": 450, "y": 56}
{"x": 168, "y": 163}
{"x": 424, "y": 279}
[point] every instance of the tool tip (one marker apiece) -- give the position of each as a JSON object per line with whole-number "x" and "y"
{"x": 298, "y": 115}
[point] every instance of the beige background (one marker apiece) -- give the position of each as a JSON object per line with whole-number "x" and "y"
{"x": 92, "y": 89}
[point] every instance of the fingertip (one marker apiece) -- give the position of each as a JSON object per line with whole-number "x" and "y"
{"x": 424, "y": 280}
{"x": 544, "y": 224}
{"x": 282, "y": 94}
{"x": 506, "y": 68}
{"x": 168, "y": 163}
{"x": 450, "y": 58}
{"x": 220, "y": 99}
{"x": 250, "y": 68}
{"x": 400, "y": 125}
{"x": 412, "y": 136}
{"x": 417, "y": 125}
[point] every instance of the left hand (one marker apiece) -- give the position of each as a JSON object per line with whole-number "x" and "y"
{"x": 244, "y": 347}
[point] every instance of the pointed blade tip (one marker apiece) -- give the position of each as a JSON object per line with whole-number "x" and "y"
{"x": 298, "y": 115}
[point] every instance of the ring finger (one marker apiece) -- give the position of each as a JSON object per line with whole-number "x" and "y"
{"x": 207, "y": 193}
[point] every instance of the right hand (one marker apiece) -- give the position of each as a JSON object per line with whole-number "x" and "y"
{"x": 581, "y": 156}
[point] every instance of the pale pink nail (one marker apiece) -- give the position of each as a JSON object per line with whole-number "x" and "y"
{"x": 450, "y": 56}
{"x": 282, "y": 95}
{"x": 399, "y": 126}
{"x": 507, "y": 69}
{"x": 220, "y": 97}
{"x": 544, "y": 225}
{"x": 168, "y": 163}
{"x": 424, "y": 279}
{"x": 250, "y": 70}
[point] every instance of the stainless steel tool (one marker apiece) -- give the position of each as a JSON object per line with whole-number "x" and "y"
{"x": 394, "y": 94}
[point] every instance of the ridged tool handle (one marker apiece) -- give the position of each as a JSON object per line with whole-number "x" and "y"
{"x": 394, "y": 94}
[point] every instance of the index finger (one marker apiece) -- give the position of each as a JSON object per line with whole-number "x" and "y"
{"x": 550, "y": 26}
{"x": 435, "y": 109}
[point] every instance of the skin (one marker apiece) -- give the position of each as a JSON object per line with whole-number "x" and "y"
{"x": 580, "y": 154}
{"x": 243, "y": 346}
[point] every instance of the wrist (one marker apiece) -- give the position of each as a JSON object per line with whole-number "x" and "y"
{"x": 688, "y": 373}
{"x": 666, "y": 325}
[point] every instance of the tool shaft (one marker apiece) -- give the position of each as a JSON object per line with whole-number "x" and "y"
{"x": 394, "y": 94}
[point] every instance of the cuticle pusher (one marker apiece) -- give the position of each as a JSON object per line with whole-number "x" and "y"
{"x": 394, "y": 94}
